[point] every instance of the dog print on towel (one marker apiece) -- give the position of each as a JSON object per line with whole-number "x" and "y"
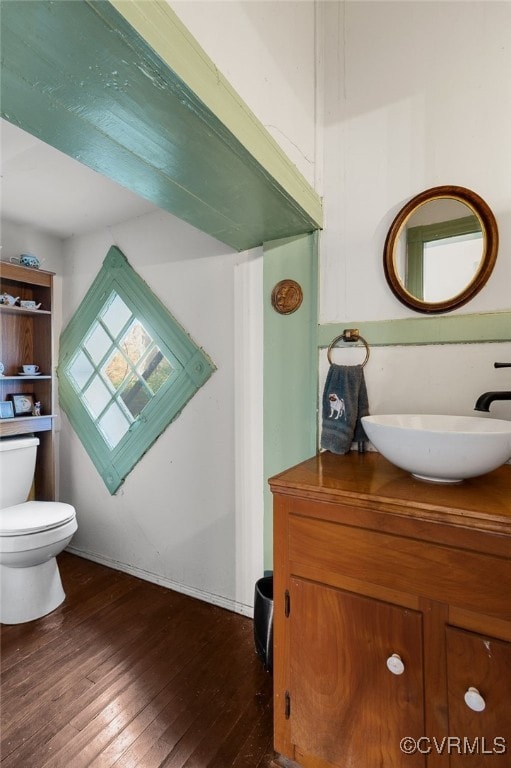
{"x": 337, "y": 407}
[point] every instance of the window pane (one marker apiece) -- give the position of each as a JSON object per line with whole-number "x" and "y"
{"x": 96, "y": 397}
{"x": 136, "y": 396}
{"x": 111, "y": 369}
{"x": 116, "y": 369}
{"x": 115, "y": 315}
{"x": 135, "y": 341}
{"x": 97, "y": 343}
{"x": 80, "y": 370}
{"x": 113, "y": 425}
{"x": 155, "y": 369}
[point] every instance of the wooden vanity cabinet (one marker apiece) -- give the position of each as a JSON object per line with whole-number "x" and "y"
{"x": 26, "y": 337}
{"x": 392, "y": 598}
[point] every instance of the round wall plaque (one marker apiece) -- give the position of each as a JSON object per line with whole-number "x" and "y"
{"x": 286, "y": 297}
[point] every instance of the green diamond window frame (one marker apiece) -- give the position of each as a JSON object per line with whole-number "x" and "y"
{"x": 190, "y": 369}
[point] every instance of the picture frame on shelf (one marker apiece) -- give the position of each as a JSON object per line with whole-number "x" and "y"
{"x": 23, "y": 404}
{"x": 6, "y": 409}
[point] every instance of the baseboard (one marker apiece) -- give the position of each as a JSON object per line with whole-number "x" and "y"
{"x": 231, "y": 605}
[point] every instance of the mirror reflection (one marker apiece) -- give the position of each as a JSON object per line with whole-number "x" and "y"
{"x": 440, "y": 249}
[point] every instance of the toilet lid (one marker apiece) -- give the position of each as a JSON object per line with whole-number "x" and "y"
{"x": 34, "y": 516}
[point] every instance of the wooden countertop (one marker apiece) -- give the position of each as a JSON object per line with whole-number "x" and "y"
{"x": 355, "y": 479}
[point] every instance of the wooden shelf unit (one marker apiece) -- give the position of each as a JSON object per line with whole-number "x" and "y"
{"x": 27, "y": 338}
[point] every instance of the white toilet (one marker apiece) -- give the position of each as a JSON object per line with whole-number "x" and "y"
{"x": 32, "y": 533}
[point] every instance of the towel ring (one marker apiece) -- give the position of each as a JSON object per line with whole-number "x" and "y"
{"x": 349, "y": 335}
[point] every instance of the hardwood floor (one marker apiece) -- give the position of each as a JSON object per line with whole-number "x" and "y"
{"x": 126, "y": 673}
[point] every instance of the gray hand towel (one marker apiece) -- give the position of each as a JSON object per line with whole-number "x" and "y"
{"x": 344, "y": 404}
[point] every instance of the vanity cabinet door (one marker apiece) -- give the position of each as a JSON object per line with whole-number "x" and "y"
{"x": 481, "y": 719}
{"x": 346, "y": 707}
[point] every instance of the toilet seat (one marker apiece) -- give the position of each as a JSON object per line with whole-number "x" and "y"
{"x": 34, "y": 517}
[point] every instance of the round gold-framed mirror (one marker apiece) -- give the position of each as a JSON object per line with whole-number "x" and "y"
{"x": 440, "y": 249}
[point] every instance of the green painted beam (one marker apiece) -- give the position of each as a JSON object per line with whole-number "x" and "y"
{"x": 157, "y": 23}
{"x": 448, "y": 329}
{"x": 79, "y": 77}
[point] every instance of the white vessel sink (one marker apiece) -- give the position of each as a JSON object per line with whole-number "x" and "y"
{"x": 442, "y": 449}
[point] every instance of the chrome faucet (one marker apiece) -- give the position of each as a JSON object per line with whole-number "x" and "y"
{"x": 486, "y": 399}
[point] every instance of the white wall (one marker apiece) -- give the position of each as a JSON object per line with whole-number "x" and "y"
{"x": 18, "y": 237}
{"x": 267, "y": 51}
{"x": 433, "y": 378}
{"x": 180, "y": 518}
{"x": 404, "y": 96}
{"x": 416, "y": 95}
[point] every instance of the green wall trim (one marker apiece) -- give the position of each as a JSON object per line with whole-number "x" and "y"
{"x": 80, "y": 77}
{"x": 452, "y": 329}
{"x": 290, "y": 366}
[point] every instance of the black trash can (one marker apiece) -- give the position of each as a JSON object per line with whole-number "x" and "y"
{"x": 263, "y": 620}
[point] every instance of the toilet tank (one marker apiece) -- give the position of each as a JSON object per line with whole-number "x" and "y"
{"x": 17, "y": 465}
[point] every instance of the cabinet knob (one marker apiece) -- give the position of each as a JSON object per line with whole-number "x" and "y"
{"x": 474, "y": 700}
{"x": 395, "y": 665}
